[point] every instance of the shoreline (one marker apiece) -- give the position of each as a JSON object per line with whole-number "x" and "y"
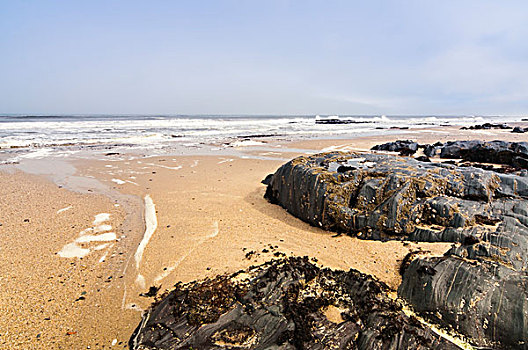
{"x": 210, "y": 214}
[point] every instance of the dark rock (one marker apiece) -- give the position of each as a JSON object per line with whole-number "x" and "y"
{"x": 267, "y": 180}
{"x": 519, "y": 130}
{"x": 480, "y": 286}
{"x": 405, "y": 147}
{"x": 482, "y": 299}
{"x": 285, "y": 304}
{"x": 152, "y": 292}
{"x": 486, "y": 126}
{"x": 423, "y": 159}
{"x": 388, "y": 196}
{"x": 341, "y": 121}
{"x": 430, "y": 150}
{"x": 498, "y": 152}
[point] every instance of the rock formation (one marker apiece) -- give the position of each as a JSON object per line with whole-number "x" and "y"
{"x": 405, "y": 147}
{"x": 284, "y": 304}
{"x": 499, "y": 152}
{"x": 480, "y": 287}
{"x": 514, "y": 154}
{"x": 486, "y": 126}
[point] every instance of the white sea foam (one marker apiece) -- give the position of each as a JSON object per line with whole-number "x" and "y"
{"x": 132, "y": 306}
{"x": 45, "y": 137}
{"x": 101, "y": 246}
{"x": 140, "y": 281}
{"x": 246, "y": 143}
{"x": 166, "y": 167}
{"x": 151, "y": 223}
{"x": 101, "y": 228}
{"x": 100, "y": 218}
{"x": 108, "y": 236}
{"x": 64, "y": 209}
{"x": 72, "y": 250}
{"x": 38, "y": 154}
{"x": 118, "y": 181}
{"x": 103, "y": 257}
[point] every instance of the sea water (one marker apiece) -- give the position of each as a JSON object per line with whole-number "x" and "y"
{"x": 47, "y": 133}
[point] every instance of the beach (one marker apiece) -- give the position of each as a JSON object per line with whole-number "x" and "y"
{"x": 83, "y": 237}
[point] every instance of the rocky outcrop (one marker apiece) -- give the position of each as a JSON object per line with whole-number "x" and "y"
{"x": 480, "y": 286}
{"x": 285, "y": 304}
{"x": 405, "y": 147}
{"x": 431, "y": 150}
{"x": 519, "y": 130}
{"x": 380, "y": 196}
{"x": 486, "y": 126}
{"x": 485, "y": 300}
{"x": 499, "y": 152}
{"x": 512, "y": 154}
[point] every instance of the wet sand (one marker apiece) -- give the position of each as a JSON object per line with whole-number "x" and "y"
{"x": 192, "y": 216}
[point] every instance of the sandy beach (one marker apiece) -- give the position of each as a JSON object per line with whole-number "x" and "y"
{"x": 78, "y": 250}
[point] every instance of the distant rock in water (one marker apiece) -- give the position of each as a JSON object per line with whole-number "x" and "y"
{"x": 480, "y": 286}
{"x": 486, "y": 126}
{"x": 284, "y": 304}
{"x": 405, "y": 147}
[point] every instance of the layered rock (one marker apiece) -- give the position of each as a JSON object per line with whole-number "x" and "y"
{"x": 486, "y": 126}
{"x": 381, "y": 196}
{"x": 514, "y": 154}
{"x": 499, "y": 152}
{"x": 485, "y": 300}
{"x": 285, "y": 304}
{"x": 405, "y": 147}
{"x": 480, "y": 286}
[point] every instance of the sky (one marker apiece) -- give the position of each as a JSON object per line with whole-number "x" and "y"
{"x": 264, "y": 57}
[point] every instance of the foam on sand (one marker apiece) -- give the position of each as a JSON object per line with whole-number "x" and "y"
{"x": 74, "y": 250}
{"x": 166, "y": 167}
{"x": 151, "y": 223}
{"x": 101, "y": 246}
{"x": 100, "y": 218}
{"x": 105, "y": 237}
{"x": 246, "y": 143}
{"x": 119, "y": 182}
{"x": 64, "y": 209}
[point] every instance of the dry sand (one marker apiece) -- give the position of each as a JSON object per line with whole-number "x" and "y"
{"x": 204, "y": 214}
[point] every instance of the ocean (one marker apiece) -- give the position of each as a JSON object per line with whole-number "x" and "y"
{"x": 44, "y": 134}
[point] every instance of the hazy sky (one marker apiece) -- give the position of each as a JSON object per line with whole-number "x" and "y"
{"x": 281, "y": 57}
